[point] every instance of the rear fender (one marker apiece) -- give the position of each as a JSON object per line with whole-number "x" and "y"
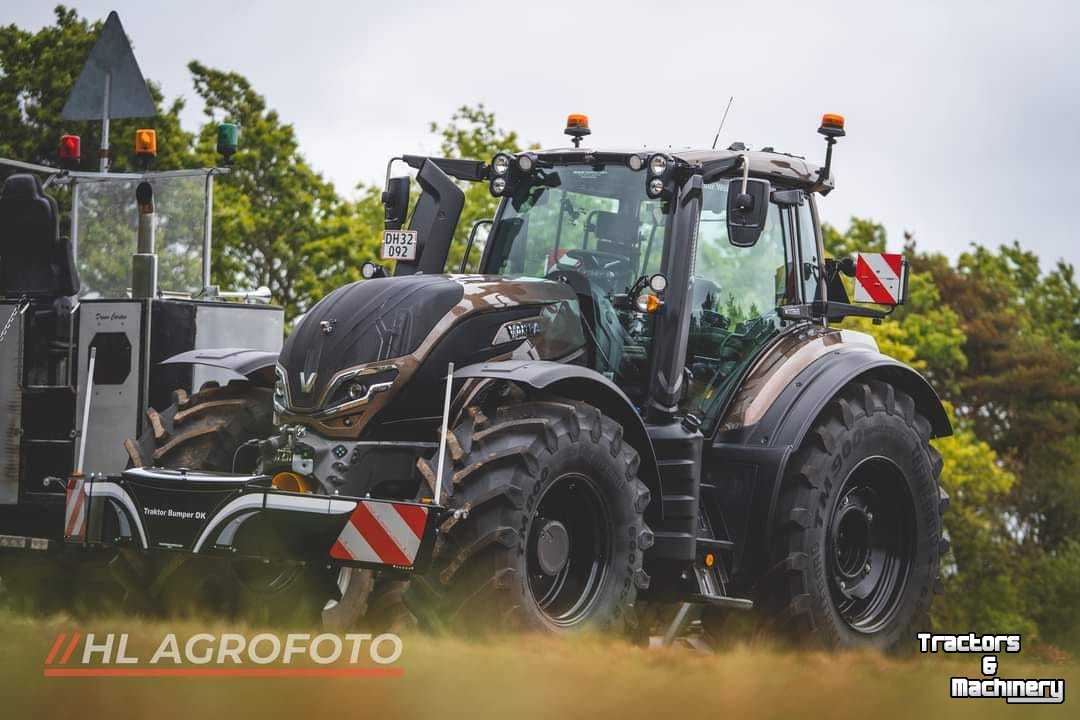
{"x": 255, "y": 365}
{"x": 770, "y": 443}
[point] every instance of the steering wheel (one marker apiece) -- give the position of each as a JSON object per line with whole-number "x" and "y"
{"x": 601, "y": 267}
{"x": 597, "y": 259}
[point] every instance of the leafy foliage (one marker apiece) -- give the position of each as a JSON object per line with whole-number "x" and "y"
{"x": 473, "y": 133}
{"x": 274, "y": 210}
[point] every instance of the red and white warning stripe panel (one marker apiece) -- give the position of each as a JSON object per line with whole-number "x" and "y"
{"x": 382, "y": 532}
{"x": 879, "y": 278}
{"x": 75, "y": 505}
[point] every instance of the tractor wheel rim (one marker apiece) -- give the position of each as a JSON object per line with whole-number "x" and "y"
{"x": 870, "y": 544}
{"x": 566, "y": 581}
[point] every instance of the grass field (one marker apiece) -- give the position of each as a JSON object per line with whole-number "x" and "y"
{"x": 519, "y": 677}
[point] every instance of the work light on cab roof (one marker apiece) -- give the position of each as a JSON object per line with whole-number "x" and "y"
{"x": 832, "y": 127}
{"x": 577, "y": 127}
{"x": 501, "y": 172}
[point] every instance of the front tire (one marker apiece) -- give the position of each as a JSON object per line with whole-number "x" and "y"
{"x": 204, "y": 432}
{"x": 858, "y": 524}
{"x": 551, "y": 534}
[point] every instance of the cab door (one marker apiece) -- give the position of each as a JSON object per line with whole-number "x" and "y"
{"x": 737, "y": 293}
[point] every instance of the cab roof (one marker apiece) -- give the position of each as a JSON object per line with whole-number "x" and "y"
{"x": 769, "y": 164}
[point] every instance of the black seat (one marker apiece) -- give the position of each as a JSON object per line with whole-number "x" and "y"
{"x": 34, "y": 260}
{"x": 616, "y": 234}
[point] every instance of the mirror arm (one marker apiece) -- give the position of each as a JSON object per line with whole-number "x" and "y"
{"x": 826, "y": 170}
{"x": 389, "y": 168}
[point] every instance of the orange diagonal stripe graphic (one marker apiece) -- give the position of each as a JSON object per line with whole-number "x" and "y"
{"x": 55, "y": 648}
{"x": 71, "y": 646}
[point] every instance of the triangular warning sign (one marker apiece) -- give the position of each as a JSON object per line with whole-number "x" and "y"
{"x": 112, "y": 57}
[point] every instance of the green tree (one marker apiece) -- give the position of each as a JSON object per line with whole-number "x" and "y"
{"x": 37, "y": 72}
{"x": 473, "y": 133}
{"x": 1021, "y": 393}
{"x": 273, "y": 212}
{"x": 1021, "y": 390}
{"x": 981, "y": 576}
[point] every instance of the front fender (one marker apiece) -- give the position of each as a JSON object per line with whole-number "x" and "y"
{"x": 579, "y": 383}
{"x": 255, "y": 365}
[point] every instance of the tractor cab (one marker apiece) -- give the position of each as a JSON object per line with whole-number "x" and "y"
{"x": 649, "y": 268}
{"x": 686, "y": 264}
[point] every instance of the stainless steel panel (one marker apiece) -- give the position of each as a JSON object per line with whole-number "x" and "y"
{"x": 10, "y": 405}
{"x": 114, "y": 409}
{"x": 234, "y": 325}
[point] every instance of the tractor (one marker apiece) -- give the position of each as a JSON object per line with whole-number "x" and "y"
{"x": 632, "y": 393}
{"x": 103, "y": 275}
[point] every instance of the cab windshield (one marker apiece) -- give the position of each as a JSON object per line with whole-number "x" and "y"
{"x": 593, "y": 226}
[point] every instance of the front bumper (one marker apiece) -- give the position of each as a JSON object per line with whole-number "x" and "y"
{"x": 216, "y": 514}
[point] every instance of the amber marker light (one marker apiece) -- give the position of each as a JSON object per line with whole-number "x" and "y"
{"x": 832, "y": 125}
{"x": 145, "y": 143}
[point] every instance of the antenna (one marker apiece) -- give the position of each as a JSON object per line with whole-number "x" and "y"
{"x": 722, "y": 120}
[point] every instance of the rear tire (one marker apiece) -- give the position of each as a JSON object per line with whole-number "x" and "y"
{"x": 204, "y": 431}
{"x": 552, "y": 532}
{"x": 858, "y": 530}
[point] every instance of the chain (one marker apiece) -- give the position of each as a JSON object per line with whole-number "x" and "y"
{"x": 19, "y": 307}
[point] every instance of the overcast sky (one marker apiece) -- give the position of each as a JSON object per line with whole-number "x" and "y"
{"x": 963, "y": 118}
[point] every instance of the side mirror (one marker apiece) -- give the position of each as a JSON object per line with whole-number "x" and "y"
{"x": 747, "y": 211}
{"x": 396, "y": 202}
{"x": 478, "y": 238}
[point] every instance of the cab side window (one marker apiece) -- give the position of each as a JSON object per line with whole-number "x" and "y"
{"x": 810, "y": 268}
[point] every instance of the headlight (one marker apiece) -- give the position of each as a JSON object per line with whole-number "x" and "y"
{"x": 359, "y": 387}
{"x": 280, "y": 392}
{"x": 498, "y": 186}
{"x": 635, "y": 162}
{"x": 656, "y": 188}
{"x": 525, "y": 163}
{"x": 500, "y": 165}
{"x": 658, "y": 164}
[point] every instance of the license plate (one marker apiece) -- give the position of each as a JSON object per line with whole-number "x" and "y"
{"x": 399, "y": 245}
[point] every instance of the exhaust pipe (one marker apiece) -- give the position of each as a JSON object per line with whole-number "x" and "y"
{"x": 144, "y": 267}
{"x": 144, "y": 283}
